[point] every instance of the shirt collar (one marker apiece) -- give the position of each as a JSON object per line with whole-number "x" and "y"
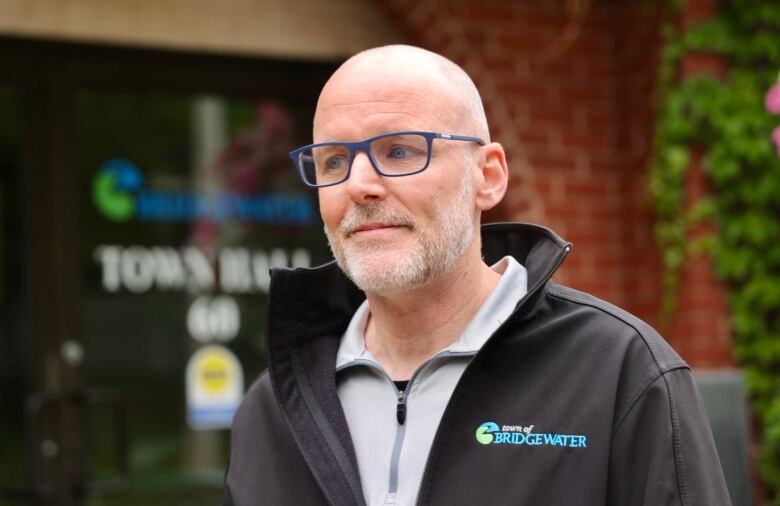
{"x": 501, "y": 302}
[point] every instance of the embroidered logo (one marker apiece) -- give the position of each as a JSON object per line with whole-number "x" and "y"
{"x": 485, "y": 432}
{"x": 490, "y": 433}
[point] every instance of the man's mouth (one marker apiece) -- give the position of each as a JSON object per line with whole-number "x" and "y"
{"x": 374, "y": 221}
{"x": 370, "y": 227}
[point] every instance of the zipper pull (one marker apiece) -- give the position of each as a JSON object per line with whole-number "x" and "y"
{"x": 400, "y": 409}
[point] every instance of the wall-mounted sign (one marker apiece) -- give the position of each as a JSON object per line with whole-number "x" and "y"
{"x": 119, "y": 194}
{"x": 215, "y": 385}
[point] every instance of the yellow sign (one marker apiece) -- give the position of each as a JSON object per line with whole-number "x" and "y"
{"x": 215, "y": 384}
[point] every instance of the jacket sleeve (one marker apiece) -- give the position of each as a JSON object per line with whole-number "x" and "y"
{"x": 663, "y": 452}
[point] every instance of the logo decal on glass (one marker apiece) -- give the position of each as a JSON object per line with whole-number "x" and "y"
{"x": 119, "y": 194}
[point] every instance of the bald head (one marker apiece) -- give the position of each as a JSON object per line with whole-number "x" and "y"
{"x": 443, "y": 96}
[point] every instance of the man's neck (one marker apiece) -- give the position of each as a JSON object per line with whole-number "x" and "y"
{"x": 407, "y": 328}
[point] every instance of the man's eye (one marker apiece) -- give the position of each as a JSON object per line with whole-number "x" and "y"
{"x": 400, "y": 152}
{"x": 335, "y": 163}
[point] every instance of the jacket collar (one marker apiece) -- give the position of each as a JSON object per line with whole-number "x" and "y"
{"x": 308, "y": 311}
{"x": 322, "y": 299}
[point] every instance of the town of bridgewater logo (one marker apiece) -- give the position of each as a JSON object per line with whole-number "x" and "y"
{"x": 490, "y": 433}
{"x": 120, "y": 194}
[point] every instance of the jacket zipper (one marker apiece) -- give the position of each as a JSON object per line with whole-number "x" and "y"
{"x": 400, "y": 409}
{"x": 528, "y": 294}
{"x": 400, "y": 435}
{"x": 400, "y": 416}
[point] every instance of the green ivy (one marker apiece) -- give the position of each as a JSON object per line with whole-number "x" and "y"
{"x": 726, "y": 120}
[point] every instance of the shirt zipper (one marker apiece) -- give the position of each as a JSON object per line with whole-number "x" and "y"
{"x": 528, "y": 294}
{"x": 401, "y": 409}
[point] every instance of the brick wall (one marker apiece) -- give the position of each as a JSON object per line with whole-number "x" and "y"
{"x": 568, "y": 86}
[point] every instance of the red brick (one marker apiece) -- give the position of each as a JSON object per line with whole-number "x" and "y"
{"x": 591, "y": 139}
{"x": 528, "y": 91}
{"x": 549, "y": 162}
{"x": 522, "y": 40}
{"x": 609, "y": 215}
{"x": 706, "y": 357}
{"x": 489, "y": 13}
{"x": 601, "y": 118}
{"x": 586, "y": 188}
{"x": 595, "y": 235}
{"x": 698, "y": 11}
{"x": 555, "y": 115}
{"x": 493, "y": 63}
{"x": 608, "y": 263}
{"x": 564, "y": 212}
{"x": 537, "y": 136}
{"x": 538, "y": 18}
{"x": 694, "y": 64}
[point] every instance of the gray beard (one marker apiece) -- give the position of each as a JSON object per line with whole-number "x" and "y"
{"x": 435, "y": 252}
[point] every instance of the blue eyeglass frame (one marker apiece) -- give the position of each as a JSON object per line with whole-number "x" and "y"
{"x": 365, "y": 146}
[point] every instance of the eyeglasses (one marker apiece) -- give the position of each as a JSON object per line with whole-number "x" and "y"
{"x": 393, "y": 154}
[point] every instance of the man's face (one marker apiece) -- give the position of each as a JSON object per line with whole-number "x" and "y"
{"x": 393, "y": 234}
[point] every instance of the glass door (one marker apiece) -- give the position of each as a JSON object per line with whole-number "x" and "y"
{"x": 186, "y": 201}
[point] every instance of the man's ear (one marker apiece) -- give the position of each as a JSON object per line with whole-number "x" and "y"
{"x": 491, "y": 187}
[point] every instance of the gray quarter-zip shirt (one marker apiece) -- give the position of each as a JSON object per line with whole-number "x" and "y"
{"x": 392, "y": 431}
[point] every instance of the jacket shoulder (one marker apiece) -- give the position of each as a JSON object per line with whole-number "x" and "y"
{"x": 660, "y": 426}
{"x": 619, "y": 325}
{"x": 631, "y": 353}
{"x": 256, "y": 397}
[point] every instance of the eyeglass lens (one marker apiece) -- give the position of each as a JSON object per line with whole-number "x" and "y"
{"x": 395, "y": 155}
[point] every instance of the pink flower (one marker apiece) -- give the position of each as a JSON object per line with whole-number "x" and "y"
{"x": 772, "y": 99}
{"x": 776, "y": 139}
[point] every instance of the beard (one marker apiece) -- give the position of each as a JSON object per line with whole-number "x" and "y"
{"x": 436, "y": 247}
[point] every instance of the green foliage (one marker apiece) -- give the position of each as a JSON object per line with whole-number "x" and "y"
{"x": 726, "y": 119}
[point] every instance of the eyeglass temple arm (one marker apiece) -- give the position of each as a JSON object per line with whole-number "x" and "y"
{"x": 455, "y": 137}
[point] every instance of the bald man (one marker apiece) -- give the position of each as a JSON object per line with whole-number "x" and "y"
{"x": 435, "y": 362}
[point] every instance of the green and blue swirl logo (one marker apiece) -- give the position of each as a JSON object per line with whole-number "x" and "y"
{"x": 114, "y": 187}
{"x": 485, "y": 432}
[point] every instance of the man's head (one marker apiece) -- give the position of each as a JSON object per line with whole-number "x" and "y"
{"x": 391, "y": 234}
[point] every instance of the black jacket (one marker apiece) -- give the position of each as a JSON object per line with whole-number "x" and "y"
{"x": 565, "y": 363}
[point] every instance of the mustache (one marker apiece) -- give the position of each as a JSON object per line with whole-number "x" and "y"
{"x": 374, "y": 213}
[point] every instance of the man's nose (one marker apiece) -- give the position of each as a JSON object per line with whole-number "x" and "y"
{"x": 365, "y": 184}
